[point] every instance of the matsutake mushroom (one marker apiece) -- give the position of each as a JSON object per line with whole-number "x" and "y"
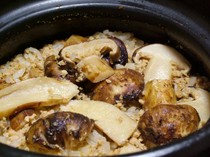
{"x": 164, "y": 120}
{"x": 125, "y": 85}
{"x": 201, "y": 103}
{"x": 95, "y": 69}
{"x": 59, "y": 131}
{"x": 161, "y": 58}
{"x": 90, "y": 57}
{"x": 33, "y": 92}
{"x": 116, "y": 50}
{"x": 158, "y": 92}
{"x": 113, "y": 122}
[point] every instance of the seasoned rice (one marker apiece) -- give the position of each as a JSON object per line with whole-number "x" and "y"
{"x": 30, "y": 64}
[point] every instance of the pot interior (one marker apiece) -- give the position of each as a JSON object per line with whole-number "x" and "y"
{"x": 151, "y": 22}
{"x": 40, "y": 23}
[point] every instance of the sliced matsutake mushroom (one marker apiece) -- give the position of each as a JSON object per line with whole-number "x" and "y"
{"x": 201, "y": 104}
{"x": 59, "y": 131}
{"x": 76, "y": 53}
{"x": 167, "y": 122}
{"x": 41, "y": 91}
{"x": 125, "y": 85}
{"x": 111, "y": 120}
{"x": 95, "y": 69}
{"x": 161, "y": 58}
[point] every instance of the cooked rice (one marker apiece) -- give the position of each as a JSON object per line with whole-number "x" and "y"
{"x": 30, "y": 64}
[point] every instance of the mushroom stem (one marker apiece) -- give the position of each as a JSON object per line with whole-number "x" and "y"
{"x": 159, "y": 92}
{"x": 158, "y": 68}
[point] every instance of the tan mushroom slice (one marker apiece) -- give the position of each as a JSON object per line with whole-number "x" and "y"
{"x": 76, "y": 53}
{"x": 111, "y": 120}
{"x": 165, "y": 123}
{"x": 159, "y": 92}
{"x": 95, "y": 69}
{"x": 161, "y": 58}
{"x": 35, "y": 91}
{"x": 124, "y": 85}
{"x": 59, "y": 131}
{"x": 201, "y": 104}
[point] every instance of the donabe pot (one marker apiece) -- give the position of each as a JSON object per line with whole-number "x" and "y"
{"x": 35, "y": 23}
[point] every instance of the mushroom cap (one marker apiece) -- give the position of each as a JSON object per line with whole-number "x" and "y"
{"x": 161, "y": 58}
{"x": 125, "y": 85}
{"x": 165, "y": 123}
{"x": 166, "y": 52}
{"x": 60, "y": 130}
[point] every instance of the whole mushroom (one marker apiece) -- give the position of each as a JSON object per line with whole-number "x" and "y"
{"x": 164, "y": 120}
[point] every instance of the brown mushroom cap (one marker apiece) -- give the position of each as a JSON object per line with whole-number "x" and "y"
{"x": 61, "y": 130}
{"x": 123, "y": 59}
{"x": 53, "y": 69}
{"x": 165, "y": 123}
{"x": 125, "y": 84}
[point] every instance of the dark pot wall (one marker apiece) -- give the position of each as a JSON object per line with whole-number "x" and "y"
{"x": 34, "y": 23}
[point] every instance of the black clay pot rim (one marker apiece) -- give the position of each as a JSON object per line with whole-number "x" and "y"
{"x": 184, "y": 14}
{"x": 191, "y": 144}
